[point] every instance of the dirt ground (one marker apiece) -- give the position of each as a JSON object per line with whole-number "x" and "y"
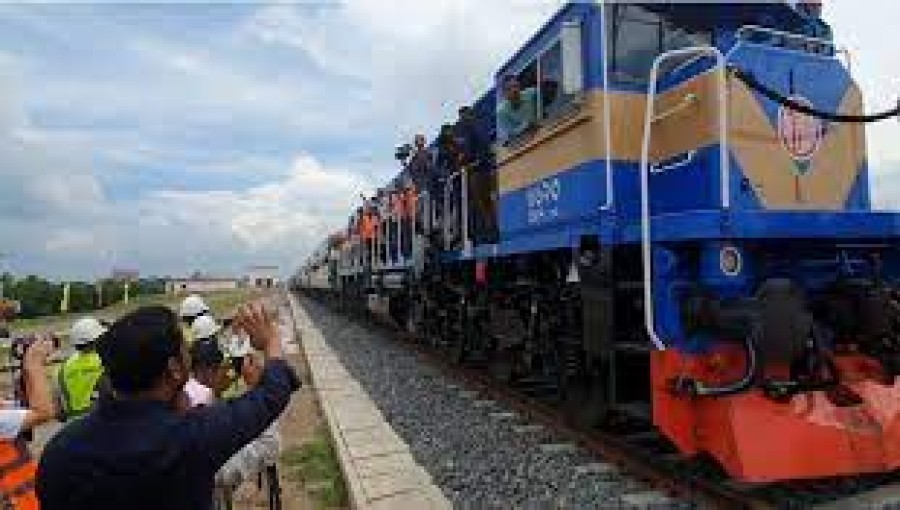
{"x": 297, "y": 425}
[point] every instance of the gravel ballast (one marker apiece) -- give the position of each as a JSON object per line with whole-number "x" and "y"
{"x": 480, "y": 454}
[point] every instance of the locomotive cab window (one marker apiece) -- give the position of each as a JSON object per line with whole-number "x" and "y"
{"x": 638, "y": 35}
{"x": 543, "y": 88}
{"x": 550, "y": 65}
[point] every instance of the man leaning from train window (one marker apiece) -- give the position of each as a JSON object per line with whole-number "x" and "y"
{"x": 518, "y": 110}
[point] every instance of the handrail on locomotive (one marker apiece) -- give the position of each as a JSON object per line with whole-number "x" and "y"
{"x": 649, "y": 118}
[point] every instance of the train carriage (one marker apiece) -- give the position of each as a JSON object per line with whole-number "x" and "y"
{"x": 684, "y": 237}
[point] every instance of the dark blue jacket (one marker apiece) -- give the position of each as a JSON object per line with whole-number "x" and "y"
{"x": 476, "y": 145}
{"x": 140, "y": 454}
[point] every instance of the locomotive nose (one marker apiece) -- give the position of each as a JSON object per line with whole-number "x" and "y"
{"x": 792, "y": 159}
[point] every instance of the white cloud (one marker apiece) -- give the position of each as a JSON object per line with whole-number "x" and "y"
{"x": 875, "y": 64}
{"x": 65, "y": 240}
{"x": 41, "y": 174}
{"x": 419, "y": 61}
{"x": 276, "y": 220}
{"x": 885, "y": 186}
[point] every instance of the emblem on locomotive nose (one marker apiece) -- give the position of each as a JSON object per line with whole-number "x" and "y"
{"x": 800, "y": 134}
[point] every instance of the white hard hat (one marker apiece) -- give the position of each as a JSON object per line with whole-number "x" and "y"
{"x": 192, "y": 306}
{"x": 205, "y": 327}
{"x": 86, "y": 330}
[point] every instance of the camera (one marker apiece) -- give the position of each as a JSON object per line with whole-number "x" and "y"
{"x": 20, "y": 345}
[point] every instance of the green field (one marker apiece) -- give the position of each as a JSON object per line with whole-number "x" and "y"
{"x": 222, "y": 303}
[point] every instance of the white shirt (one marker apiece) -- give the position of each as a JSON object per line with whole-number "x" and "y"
{"x": 11, "y": 422}
{"x": 198, "y": 394}
{"x": 251, "y": 459}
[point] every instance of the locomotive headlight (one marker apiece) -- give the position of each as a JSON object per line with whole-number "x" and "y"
{"x": 730, "y": 261}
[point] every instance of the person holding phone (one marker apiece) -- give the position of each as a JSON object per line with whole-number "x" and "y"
{"x": 17, "y": 419}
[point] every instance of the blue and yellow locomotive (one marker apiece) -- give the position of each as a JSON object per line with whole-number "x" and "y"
{"x": 681, "y": 235}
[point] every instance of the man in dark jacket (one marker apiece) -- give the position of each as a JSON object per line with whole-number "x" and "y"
{"x": 419, "y": 165}
{"x": 478, "y": 156}
{"x": 139, "y": 449}
{"x": 448, "y": 163}
{"x": 475, "y": 141}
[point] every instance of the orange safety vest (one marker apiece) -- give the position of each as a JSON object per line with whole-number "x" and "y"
{"x": 17, "y": 476}
{"x": 397, "y": 203}
{"x": 409, "y": 202}
{"x": 368, "y": 226}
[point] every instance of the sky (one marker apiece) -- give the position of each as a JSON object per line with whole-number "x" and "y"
{"x": 172, "y": 137}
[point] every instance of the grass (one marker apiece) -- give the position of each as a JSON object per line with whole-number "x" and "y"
{"x": 222, "y": 303}
{"x": 315, "y": 467}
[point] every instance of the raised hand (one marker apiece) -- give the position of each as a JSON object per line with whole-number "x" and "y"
{"x": 260, "y": 325}
{"x": 38, "y": 352}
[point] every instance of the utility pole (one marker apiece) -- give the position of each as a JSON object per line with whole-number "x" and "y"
{"x": 3, "y": 256}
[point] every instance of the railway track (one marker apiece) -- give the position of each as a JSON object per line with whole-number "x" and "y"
{"x": 612, "y": 449}
{"x": 647, "y": 456}
{"x": 636, "y": 461}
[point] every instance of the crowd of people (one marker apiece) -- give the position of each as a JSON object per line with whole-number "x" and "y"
{"x": 389, "y": 219}
{"x": 160, "y": 410}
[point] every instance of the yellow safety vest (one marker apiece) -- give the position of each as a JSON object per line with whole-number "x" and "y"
{"x": 77, "y": 381}
{"x": 235, "y": 390}
{"x": 187, "y": 333}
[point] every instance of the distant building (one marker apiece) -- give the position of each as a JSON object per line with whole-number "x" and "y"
{"x": 200, "y": 284}
{"x": 125, "y": 275}
{"x": 261, "y": 277}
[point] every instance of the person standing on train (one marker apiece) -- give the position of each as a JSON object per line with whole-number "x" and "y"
{"x": 419, "y": 165}
{"x": 517, "y": 113}
{"x": 449, "y": 163}
{"x": 408, "y": 203}
{"x": 382, "y": 212}
{"x": 419, "y": 169}
{"x": 475, "y": 141}
{"x": 353, "y": 235}
{"x": 368, "y": 227}
{"x": 478, "y": 157}
{"x": 396, "y": 207}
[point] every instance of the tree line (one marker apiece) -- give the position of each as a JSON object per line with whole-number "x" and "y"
{"x": 38, "y": 297}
